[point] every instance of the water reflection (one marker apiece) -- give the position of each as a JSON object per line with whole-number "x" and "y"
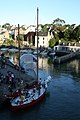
{"x": 71, "y": 67}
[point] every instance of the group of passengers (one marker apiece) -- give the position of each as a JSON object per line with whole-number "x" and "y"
{"x": 10, "y": 78}
{"x": 7, "y": 79}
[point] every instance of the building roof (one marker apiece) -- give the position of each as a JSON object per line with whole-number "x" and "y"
{"x": 42, "y": 33}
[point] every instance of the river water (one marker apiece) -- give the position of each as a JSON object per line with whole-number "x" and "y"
{"x": 62, "y": 101}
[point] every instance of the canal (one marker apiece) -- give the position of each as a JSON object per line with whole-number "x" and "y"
{"x": 62, "y": 101}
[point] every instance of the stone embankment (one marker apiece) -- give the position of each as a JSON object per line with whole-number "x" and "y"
{"x": 59, "y": 60}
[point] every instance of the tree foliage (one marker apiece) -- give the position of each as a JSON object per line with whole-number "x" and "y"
{"x": 64, "y": 32}
{"x": 21, "y": 37}
{"x": 45, "y": 27}
{"x": 6, "y": 26}
{"x": 76, "y": 33}
{"x": 53, "y": 42}
{"x": 58, "y": 22}
{"x": 8, "y": 42}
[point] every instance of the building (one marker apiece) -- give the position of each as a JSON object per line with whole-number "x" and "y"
{"x": 3, "y": 35}
{"x": 29, "y": 35}
{"x": 29, "y": 38}
{"x": 43, "y": 39}
{"x": 68, "y": 47}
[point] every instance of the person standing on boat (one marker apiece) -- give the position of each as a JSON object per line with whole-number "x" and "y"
{"x": 34, "y": 90}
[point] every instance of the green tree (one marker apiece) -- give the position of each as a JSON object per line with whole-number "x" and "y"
{"x": 53, "y": 42}
{"x": 71, "y": 33}
{"x": 58, "y": 22}
{"x": 57, "y": 28}
{"x": 67, "y": 34}
{"x": 21, "y": 38}
{"x": 76, "y": 33}
{"x": 8, "y": 42}
{"x": 6, "y": 26}
{"x": 45, "y": 27}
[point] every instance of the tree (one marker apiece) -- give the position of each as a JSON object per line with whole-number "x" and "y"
{"x": 23, "y": 27}
{"x": 21, "y": 38}
{"x": 45, "y": 27}
{"x": 57, "y": 28}
{"x": 71, "y": 33}
{"x": 6, "y": 26}
{"x": 76, "y": 33}
{"x": 67, "y": 34}
{"x": 8, "y": 42}
{"x": 53, "y": 42}
{"x": 58, "y": 22}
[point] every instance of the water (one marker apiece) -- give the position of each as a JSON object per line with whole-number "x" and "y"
{"x": 62, "y": 101}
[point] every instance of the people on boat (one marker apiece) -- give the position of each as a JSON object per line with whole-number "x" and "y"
{"x": 21, "y": 97}
{"x": 34, "y": 89}
{"x": 27, "y": 93}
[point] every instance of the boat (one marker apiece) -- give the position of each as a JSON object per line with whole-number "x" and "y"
{"x": 44, "y": 53}
{"x": 13, "y": 50}
{"x": 4, "y": 50}
{"x": 32, "y": 96}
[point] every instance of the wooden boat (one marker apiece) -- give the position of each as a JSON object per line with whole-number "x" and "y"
{"x": 31, "y": 96}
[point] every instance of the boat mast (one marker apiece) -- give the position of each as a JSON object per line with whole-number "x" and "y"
{"x": 19, "y": 49}
{"x": 37, "y": 42}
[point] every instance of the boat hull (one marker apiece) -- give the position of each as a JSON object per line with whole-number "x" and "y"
{"x": 14, "y": 108}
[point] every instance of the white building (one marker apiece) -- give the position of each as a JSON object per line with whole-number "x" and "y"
{"x": 42, "y": 39}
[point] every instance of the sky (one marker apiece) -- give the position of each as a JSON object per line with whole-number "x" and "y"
{"x": 24, "y": 12}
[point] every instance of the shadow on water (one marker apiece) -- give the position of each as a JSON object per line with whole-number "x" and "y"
{"x": 4, "y": 105}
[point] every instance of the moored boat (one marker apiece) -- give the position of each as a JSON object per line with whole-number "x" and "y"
{"x": 30, "y": 97}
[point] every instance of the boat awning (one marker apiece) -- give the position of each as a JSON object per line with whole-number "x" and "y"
{"x": 28, "y": 58}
